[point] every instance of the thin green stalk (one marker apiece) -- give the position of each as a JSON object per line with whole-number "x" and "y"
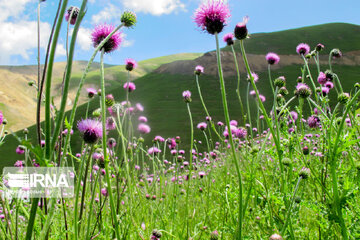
{"x": 61, "y": 112}
{"x": 204, "y": 106}
{"x": 270, "y": 80}
{"x": 227, "y": 120}
{"x": 238, "y": 86}
{"x": 48, "y": 120}
{"x": 91, "y": 205}
{"x": 106, "y": 159}
{"x": 190, "y": 168}
{"x": 311, "y": 78}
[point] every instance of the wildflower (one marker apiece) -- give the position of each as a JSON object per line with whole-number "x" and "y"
{"x": 19, "y": 164}
{"x": 110, "y": 124}
{"x": 286, "y": 161}
{"x": 143, "y": 128}
{"x": 199, "y": 69}
{"x": 111, "y": 143}
{"x": 229, "y": 39}
{"x": 128, "y": 18}
{"x": 275, "y": 237}
{"x": 343, "y": 98}
{"x": 283, "y": 91}
{"x": 272, "y": 58}
{"x": 335, "y": 53}
{"x": 153, "y": 151}
{"x": 254, "y": 76}
{"x": 220, "y": 124}
{"x": 302, "y": 90}
{"x": 91, "y": 130}
{"x": 212, "y": 16}
{"x": 252, "y": 93}
{"x": 109, "y": 100}
{"x": 202, "y": 126}
{"x": 319, "y": 47}
{"x": 234, "y": 123}
{"x": 20, "y": 150}
{"x": 241, "y": 133}
{"x": 91, "y": 92}
{"x": 1, "y": 117}
{"x": 130, "y": 64}
{"x": 293, "y": 116}
{"x": 104, "y": 192}
{"x": 139, "y": 107}
{"x": 325, "y": 91}
{"x": 156, "y": 235}
{"x": 303, "y": 49}
{"x": 172, "y": 143}
{"x": 304, "y": 173}
{"x": 262, "y": 98}
{"x": 214, "y": 235}
{"x": 187, "y": 96}
{"x": 74, "y": 15}
{"x": 130, "y": 86}
{"x": 159, "y": 139}
{"x": 142, "y": 119}
{"x": 101, "y": 32}
{"x": 240, "y": 30}
{"x": 313, "y": 121}
{"x": 280, "y": 81}
{"x": 208, "y": 118}
{"x": 201, "y": 174}
{"x": 322, "y": 78}
{"x": 329, "y": 85}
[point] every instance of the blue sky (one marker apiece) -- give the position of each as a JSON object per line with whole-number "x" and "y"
{"x": 164, "y": 26}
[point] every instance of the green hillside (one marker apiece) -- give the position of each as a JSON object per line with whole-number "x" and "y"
{"x": 333, "y": 35}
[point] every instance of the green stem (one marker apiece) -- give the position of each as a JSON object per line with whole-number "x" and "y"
{"x": 227, "y": 120}
{"x": 106, "y": 158}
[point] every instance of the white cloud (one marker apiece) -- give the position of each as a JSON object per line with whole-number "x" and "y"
{"x": 11, "y": 8}
{"x": 154, "y": 7}
{"x": 126, "y": 42}
{"x": 20, "y": 38}
{"x": 109, "y": 13}
{"x": 84, "y": 38}
{"x": 60, "y": 50}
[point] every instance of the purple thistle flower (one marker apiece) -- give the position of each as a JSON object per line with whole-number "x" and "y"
{"x": 212, "y": 16}
{"x": 19, "y": 164}
{"x": 252, "y": 93}
{"x": 329, "y": 85}
{"x": 229, "y": 39}
{"x": 91, "y": 92}
{"x": 1, "y": 117}
{"x": 202, "y": 126}
{"x": 159, "y": 139}
{"x": 110, "y": 124}
{"x": 130, "y": 86}
{"x": 111, "y": 143}
{"x": 293, "y": 116}
{"x": 104, "y": 192}
{"x": 254, "y": 75}
{"x": 303, "y": 90}
{"x": 153, "y": 151}
{"x": 272, "y": 58}
{"x": 143, "y": 128}
{"x": 101, "y": 32}
{"x": 20, "y": 150}
{"x": 220, "y": 124}
{"x": 240, "y": 30}
{"x": 303, "y": 49}
{"x": 75, "y": 13}
{"x": 262, "y": 98}
{"x": 142, "y": 119}
{"x": 139, "y": 107}
{"x": 322, "y": 78}
{"x": 241, "y": 132}
{"x": 187, "y": 96}
{"x": 130, "y": 64}
{"x": 199, "y": 69}
{"x": 91, "y": 130}
{"x": 325, "y": 91}
{"x": 313, "y": 121}
{"x": 234, "y": 123}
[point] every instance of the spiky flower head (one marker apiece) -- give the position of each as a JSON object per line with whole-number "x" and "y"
{"x": 91, "y": 130}
{"x": 144, "y": 128}
{"x": 187, "y": 96}
{"x": 97, "y": 112}
{"x": 325, "y": 91}
{"x": 283, "y": 91}
{"x": 153, "y": 151}
{"x": 20, "y": 150}
{"x": 319, "y": 47}
{"x": 91, "y": 92}
{"x": 275, "y": 237}
{"x": 109, "y": 100}
{"x": 241, "y": 133}
{"x": 211, "y": 16}
{"x": 329, "y": 75}
{"x": 130, "y": 86}
{"x": 128, "y": 18}
{"x": 286, "y": 161}
{"x": 343, "y": 98}
{"x": 202, "y": 126}
{"x": 262, "y": 98}
{"x": 101, "y": 32}
{"x": 74, "y": 12}
{"x": 130, "y": 64}
{"x": 302, "y": 90}
{"x": 214, "y": 235}
{"x": 336, "y": 53}
{"x": 304, "y": 173}
{"x": 306, "y": 150}
{"x": 303, "y": 49}
{"x": 322, "y": 78}
{"x": 272, "y": 58}
{"x": 1, "y": 117}
{"x": 229, "y": 39}
{"x": 111, "y": 143}
{"x": 199, "y": 70}
{"x": 241, "y": 31}
{"x": 254, "y": 75}
{"x": 313, "y": 121}
{"x": 280, "y": 81}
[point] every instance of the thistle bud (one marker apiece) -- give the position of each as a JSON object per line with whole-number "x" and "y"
{"x": 128, "y": 18}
